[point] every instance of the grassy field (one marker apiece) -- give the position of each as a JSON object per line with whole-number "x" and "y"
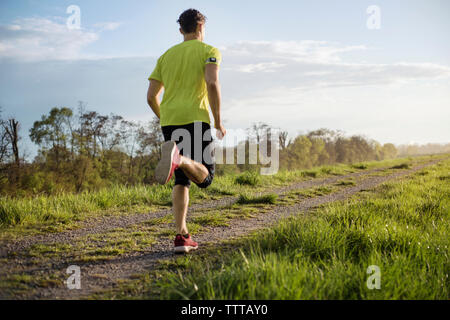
{"x": 43, "y": 214}
{"x": 401, "y": 227}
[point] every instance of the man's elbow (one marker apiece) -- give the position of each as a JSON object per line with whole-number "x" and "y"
{"x": 152, "y": 96}
{"x": 212, "y": 84}
{"x": 151, "y": 99}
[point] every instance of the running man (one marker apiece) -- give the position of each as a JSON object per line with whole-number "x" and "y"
{"x": 189, "y": 75}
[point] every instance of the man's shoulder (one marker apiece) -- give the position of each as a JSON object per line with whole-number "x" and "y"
{"x": 209, "y": 47}
{"x": 198, "y": 44}
{"x": 171, "y": 49}
{"x": 177, "y": 47}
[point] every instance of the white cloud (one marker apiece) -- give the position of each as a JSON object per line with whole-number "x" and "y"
{"x": 107, "y": 26}
{"x": 39, "y": 39}
{"x": 307, "y": 65}
{"x": 14, "y": 27}
{"x": 314, "y": 84}
{"x": 305, "y": 50}
{"x": 261, "y": 67}
{"x": 34, "y": 39}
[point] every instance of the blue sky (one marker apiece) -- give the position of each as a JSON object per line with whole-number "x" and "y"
{"x": 298, "y": 65}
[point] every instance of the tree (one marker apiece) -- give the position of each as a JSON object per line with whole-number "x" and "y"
{"x": 389, "y": 151}
{"x": 318, "y": 154}
{"x": 329, "y": 137}
{"x": 9, "y": 148}
{"x": 12, "y": 132}
{"x": 283, "y": 139}
{"x": 4, "y": 142}
{"x": 111, "y": 137}
{"x": 130, "y": 136}
{"x": 299, "y": 155}
{"x": 93, "y": 129}
{"x": 257, "y": 130}
{"x": 150, "y": 137}
{"x": 51, "y": 132}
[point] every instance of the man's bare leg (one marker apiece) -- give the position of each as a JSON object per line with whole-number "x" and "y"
{"x": 180, "y": 201}
{"x": 195, "y": 171}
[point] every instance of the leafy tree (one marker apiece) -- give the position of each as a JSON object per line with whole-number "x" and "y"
{"x": 389, "y": 151}
{"x": 92, "y": 131}
{"x": 51, "y": 132}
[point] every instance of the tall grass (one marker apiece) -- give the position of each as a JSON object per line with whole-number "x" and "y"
{"x": 66, "y": 206}
{"x": 402, "y": 228}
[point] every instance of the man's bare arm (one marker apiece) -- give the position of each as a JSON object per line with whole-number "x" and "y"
{"x": 214, "y": 97}
{"x": 153, "y": 95}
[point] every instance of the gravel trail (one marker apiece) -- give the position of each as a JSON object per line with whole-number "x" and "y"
{"x": 103, "y": 224}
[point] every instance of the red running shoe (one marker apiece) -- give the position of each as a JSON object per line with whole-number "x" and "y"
{"x": 183, "y": 244}
{"x": 170, "y": 160}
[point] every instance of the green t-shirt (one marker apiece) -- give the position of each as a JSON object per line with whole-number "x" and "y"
{"x": 181, "y": 69}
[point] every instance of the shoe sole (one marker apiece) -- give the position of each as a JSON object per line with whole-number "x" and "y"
{"x": 184, "y": 249}
{"x": 162, "y": 170}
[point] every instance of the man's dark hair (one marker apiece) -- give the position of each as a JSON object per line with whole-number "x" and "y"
{"x": 189, "y": 19}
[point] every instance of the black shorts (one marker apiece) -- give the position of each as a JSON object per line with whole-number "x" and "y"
{"x": 199, "y": 148}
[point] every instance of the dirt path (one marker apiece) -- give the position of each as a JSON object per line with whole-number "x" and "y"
{"x": 104, "y": 224}
{"x": 104, "y": 275}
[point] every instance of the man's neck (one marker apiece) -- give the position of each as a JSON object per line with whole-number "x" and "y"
{"x": 192, "y": 36}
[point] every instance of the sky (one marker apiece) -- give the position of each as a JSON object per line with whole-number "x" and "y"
{"x": 296, "y": 65}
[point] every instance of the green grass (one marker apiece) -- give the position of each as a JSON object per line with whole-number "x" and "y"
{"x": 157, "y": 221}
{"x": 66, "y": 208}
{"x": 94, "y": 247}
{"x": 250, "y": 199}
{"x": 43, "y": 214}
{"x": 345, "y": 183}
{"x": 250, "y": 178}
{"x": 402, "y": 227}
{"x": 311, "y": 192}
{"x": 402, "y": 166}
{"x": 22, "y": 284}
{"x": 361, "y": 166}
{"x": 215, "y": 219}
